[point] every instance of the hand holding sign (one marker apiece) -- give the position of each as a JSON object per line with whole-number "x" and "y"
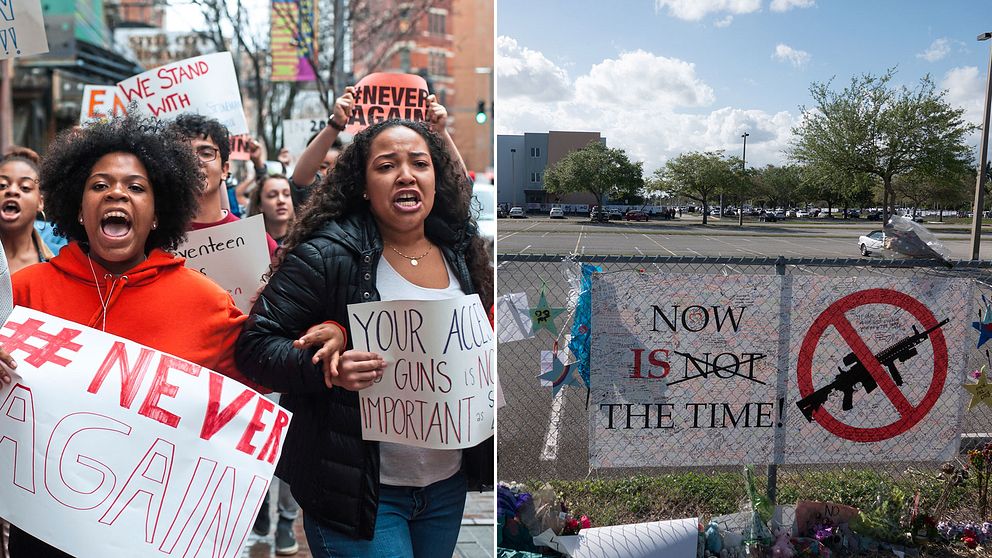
{"x": 8, "y": 363}
{"x": 344, "y": 106}
{"x": 381, "y": 96}
{"x": 437, "y": 115}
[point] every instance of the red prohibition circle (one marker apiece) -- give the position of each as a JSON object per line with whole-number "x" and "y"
{"x": 834, "y": 315}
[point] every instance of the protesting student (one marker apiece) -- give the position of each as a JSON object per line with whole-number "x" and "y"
{"x": 273, "y": 200}
{"x": 124, "y": 191}
{"x": 20, "y": 202}
{"x": 391, "y": 222}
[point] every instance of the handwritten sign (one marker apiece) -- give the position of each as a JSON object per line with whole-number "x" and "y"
{"x": 382, "y": 96}
{"x": 108, "y": 447}
{"x": 298, "y": 131}
{"x": 240, "y": 148}
{"x": 438, "y": 389}
{"x": 810, "y": 514}
{"x": 235, "y": 255}
{"x": 204, "y": 85}
{"x": 99, "y": 103}
{"x": 22, "y": 29}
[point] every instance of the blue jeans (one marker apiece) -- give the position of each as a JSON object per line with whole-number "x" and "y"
{"x": 410, "y": 522}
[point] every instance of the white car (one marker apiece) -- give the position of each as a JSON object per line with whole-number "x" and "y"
{"x": 868, "y": 243}
{"x": 517, "y": 213}
{"x": 556, "y": 213}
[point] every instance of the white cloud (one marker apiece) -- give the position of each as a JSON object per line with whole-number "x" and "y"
{"x": 966, "y": 89}
{"x": 786, "y": 5}
{"x": 523, "y": 72}
{"x": 938, "y": 49}
{"x": 695, "y": 10}
{"x": 652, "y": 107}
{"x": 785, "y": 53}
{"x": 725, "y": 22}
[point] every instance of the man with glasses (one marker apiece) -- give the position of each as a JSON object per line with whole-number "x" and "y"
{"x": 211, "y": 141}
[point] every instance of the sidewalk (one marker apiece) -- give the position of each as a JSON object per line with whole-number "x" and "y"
{"x": 476, "y": 539}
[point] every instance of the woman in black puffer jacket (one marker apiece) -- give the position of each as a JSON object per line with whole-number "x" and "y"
{"x": 393, "y": 219}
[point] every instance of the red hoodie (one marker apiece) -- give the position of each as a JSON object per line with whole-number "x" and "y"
{"x": 159, "y": 303}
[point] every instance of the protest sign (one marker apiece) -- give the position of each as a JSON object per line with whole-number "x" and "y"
{"x": 382, "y": 96}
{"x": 110, "y": 448}
{"x": 204, "y": 85}
{"x": 235, "y": 255}
{"x": 438, "y": 388}
{"x": 878, "y": 367}
{"x": 809, "y": 514}
{"x": 293, "y": 39}
{"x": 673, "y": 539}
{"x": 298, "y": 131}
{"x": 99, "y": 103}
{"x": 683, "y": 369}
{"x": 22, "y": 29}
{"x": 240, "y": 148}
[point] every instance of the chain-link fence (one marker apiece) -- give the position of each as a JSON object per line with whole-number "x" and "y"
{"x": 542, "y": 437}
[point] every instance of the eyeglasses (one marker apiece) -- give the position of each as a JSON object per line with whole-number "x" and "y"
{"x": 206, "y": 154}
{"x": 25, "y": 184}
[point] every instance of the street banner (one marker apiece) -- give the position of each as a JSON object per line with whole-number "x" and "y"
{"x": 878, "y": 366}
{"x": 382, "y": 96}
{"x": 235, "y": 255}
{"x": 100, "y": 102}
{"x": 110, "y": 448}
{"x": 293, "y": 36}
{"x": 684, "y": 369}
{"x": 438, "y": 388}
{"x": 22, "y": 29}
{"x": 204, "y": 85}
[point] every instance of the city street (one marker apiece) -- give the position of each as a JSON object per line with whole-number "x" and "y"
{"x": 688, "y": 237}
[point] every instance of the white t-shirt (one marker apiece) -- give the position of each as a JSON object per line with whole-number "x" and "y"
{"x": 400, "y": 464}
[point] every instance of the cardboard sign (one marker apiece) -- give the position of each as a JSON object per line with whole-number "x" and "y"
{"x": 810, "y": 514}
{"x": 683, "y": 369}
{"x": 99, "y": 103}
{"x": 240, "y": 148}
{"x": 438, "y": 389}
{"x": 110, "y": 448}
{"x": 235, "y": 255}
{"x": 382, "y": 96}
{"x": 22, "y": 29}
{"x": 204, "y": 85}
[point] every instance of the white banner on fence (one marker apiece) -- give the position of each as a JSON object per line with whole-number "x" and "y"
{"x": 22, "y": 30}
{"x": 438, "y": 389}
{"x": 683, "y": 369}
{"x": 109, "y": 448}
{"x": 235, "y": 255}
{"x": 513, "y": 318}
{"x": 877, "y": 368}
{"x": 204, "y": 85}
{"x": 672, "y": 539}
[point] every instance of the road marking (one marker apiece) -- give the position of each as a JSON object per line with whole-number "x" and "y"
{"x": 638, "y": 250}
{"x": 544, "y": 235}
{"x": 550, "y": 450}
{"x": 693, "y": 251}
{"x": 659, "y": 244}
{"x": 525, "y": 249}
{"x": 579, "y": 239}
{"x": 745, "y": 250}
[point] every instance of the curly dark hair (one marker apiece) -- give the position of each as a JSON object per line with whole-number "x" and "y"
{"x": 340, "y": 193}
{"x": 173, "y": 171}
{"x": 195, "y": 125}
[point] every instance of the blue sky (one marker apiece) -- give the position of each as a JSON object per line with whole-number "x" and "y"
{"x": 660, "y": 77}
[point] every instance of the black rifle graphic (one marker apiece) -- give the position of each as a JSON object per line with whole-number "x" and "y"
{"x": 856, "y": 373}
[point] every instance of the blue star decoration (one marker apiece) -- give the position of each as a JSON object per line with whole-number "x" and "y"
{"x": 560, "y": 375}
{"x": 543, "y": 316}
{"x": 984, "y": 326}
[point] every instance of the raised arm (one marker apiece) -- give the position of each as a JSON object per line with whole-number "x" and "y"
{"x": 439, "y": 123}
{"x": 309, "y": 161}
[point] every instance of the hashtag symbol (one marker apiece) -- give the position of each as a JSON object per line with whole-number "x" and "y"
{"x": 38, "y": 356}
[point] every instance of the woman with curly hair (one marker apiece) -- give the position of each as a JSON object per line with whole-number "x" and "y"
{"x": 392, "y": 221}
{"x": 20, "y": 202}
{"x": 124, "y": 192}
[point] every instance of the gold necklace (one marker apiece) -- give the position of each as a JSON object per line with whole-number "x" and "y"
{"x": 413, "y": 259}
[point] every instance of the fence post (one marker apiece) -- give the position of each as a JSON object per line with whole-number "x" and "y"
{"x": 773, "y": 467}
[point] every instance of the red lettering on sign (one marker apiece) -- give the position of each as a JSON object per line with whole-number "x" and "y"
{"x": 149, "y": 481}
{"x": 275, "y": 437}
{"x": 161, "y": 386}
{"x": 19, "y": 408}
{"x": 216, "y": 418}
{"x": 131, "y": 378}
{"x": 256, "y": 425}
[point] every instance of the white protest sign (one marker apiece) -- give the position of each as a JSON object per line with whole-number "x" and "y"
{"x": 683, "y": 369}
{"x": 235, "y": 255}
{"x": 672, "y": 539}
{"x": 513, "y": 318}
{"x": 438, "y": 389}
{"x": 100, "y": 102}
{"x": 110, "y": 448}
{"x": 877, "y": 368}
{"x": 204, "y": 85}
{"x": 22, "y": 29}
{"x": 298, "y": 131}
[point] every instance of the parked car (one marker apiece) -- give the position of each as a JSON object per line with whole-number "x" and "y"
{"x": 853, "y": 214}
{"x": 767, "y": 217}
{"x": 597, "y": 215}
{"x": 501, "y": 212}
{"x": 517, "y": 213}
{"x": 800, "y": 214}
{"x": 615, "y": 215}
{"x": 875, "y": 240}
{"x": 635, "y": 215}
{"x": 556, "y": 213}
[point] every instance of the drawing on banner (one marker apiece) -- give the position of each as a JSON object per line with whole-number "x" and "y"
{"x": 22, "y": 30}
{"x": 876, "y": 376}
{"x": 683, "y": 369}
{"x": 155, "y": 453}
{"x": 381, "y": 96}
{"x": 984, "y": 323}
{"x": 438, "y": 388}
{"x": 543, "y": 315}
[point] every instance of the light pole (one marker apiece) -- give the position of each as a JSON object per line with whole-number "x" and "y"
{"x": 983, "y": 149}
{"x": 740, "y": 209}
{"x": 513, "y": 175}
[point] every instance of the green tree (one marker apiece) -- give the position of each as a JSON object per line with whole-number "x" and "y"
{"x": 595, "y": 168}
{"x": 874, "y": 128}
{"x": 781, "y": 185}
{"x": 695, "y": 175}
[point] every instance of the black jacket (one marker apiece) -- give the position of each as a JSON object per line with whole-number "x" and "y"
{"x": 333, "y": 473}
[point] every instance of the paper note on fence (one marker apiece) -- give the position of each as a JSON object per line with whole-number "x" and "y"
{"x": 513, "y": 317}
{"x": 204, "y": 85}
{"x": 438, "y": 389}
{"x": 110, "y": 448}
{"x": 22, "y": 29}
{"x": 235, "y": 255}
